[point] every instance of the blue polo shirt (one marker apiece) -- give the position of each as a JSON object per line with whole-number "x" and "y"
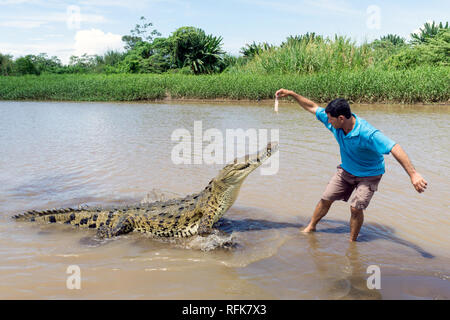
{"x": 362, "y": 148}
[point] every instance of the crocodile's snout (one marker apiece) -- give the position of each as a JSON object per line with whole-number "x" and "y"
{"x": 263, "y": 154}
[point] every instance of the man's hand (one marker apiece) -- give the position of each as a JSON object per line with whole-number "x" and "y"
{"x": 419, "y": 183}
{"x": 307, "y": 104}
{"x": 282, "y": 93}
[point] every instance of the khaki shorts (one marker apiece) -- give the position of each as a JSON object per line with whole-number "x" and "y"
{"x": 343, "y": 183}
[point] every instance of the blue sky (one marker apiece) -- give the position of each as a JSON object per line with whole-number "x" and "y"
{"x": 65, "y": 28}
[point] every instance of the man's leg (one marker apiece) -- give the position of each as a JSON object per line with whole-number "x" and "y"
{"x": 337, "y": 189}
{"x": 356, "y": 221}
{"x": 364, "y": 193}
{"x": 321, "y": 210}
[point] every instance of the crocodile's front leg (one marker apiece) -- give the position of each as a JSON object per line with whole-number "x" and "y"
{"x": 205, "y": 227}
{"x": 124, "y": 226}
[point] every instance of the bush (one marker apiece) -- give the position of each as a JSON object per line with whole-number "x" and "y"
{"x": 434, "y": 51}
{"x": 25, "y": 65}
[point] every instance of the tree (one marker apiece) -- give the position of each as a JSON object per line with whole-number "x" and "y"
{"x": 393, "y": 39}
{"x": 140, "y": 33}
{"x": 304, "y": 38}
{"x": 145, "y": 53}
{"x": 134, "y": 60}
{"x": 6, "y": 64}
{"x": 251, "y": 50}
{"x": 148, "y": 57}
{"x": 25, "y": 65}
{"x": 112, "y": 58}
{"x": 45, "y": 64}
{"x": 161, "y": 58}
{"x": 427, "y": 32}
{"x": 390, "y": 43}
{"x": 387, "y": 46}
{"x": 434, "y": 51}
{"x": 191, "y": 47}
{"x": 82, "y": 64}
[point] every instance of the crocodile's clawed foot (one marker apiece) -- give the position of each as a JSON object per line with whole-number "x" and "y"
{"x": 204, "y": 232}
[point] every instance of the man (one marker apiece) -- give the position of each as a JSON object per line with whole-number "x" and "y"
{"x": 362, "y": 148}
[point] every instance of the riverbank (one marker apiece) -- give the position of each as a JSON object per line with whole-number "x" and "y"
{"x": 421, "y": 85}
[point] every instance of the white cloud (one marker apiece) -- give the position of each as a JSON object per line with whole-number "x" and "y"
{"x": 31, "y": 22}
{"x": 22, "y": 24}
{"x": 59, "y": 49}
{"x": 91, "y": 41}
{"x": 95, "y": 41}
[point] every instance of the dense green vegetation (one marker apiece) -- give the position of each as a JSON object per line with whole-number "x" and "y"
{"x": 423, "y": 84}
{"x": 191, "y": 64}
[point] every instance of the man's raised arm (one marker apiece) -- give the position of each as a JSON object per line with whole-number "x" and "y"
{"x": 307, "y": 104}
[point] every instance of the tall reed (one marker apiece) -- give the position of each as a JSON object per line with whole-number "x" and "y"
{"x": 310, "y": 55}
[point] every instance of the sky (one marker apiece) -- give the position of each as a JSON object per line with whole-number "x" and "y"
{"x": 65, "y": 28}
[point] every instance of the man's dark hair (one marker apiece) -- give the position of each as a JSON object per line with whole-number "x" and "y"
{"x": 339, "y": 107}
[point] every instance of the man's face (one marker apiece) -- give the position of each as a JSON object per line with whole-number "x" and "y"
{"x": 337, "y": 123}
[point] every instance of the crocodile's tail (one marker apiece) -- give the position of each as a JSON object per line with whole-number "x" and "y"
{"x": 90, "y": 218}
{"x": 46, "y": 215}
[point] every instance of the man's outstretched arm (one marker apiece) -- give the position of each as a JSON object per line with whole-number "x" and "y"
{"x": 419, "y": 183}
{"x": 307, "y": 104}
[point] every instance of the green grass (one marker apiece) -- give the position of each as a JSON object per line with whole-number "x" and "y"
{"x": 307, "y": 57}
{"x": 420, "y": 85}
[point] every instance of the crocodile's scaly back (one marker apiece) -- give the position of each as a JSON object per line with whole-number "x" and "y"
{"x": 184, "y": 217}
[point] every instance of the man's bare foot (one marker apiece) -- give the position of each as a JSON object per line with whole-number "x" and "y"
{"x": 309, "y": 229}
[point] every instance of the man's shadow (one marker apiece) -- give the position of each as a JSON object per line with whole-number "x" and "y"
{"x": 369, "y": 231}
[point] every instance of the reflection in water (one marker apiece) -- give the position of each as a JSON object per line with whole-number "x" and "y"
{"x": 352, "y": 284}
{"x": 235, "y": 225}
{"x": 372, "y": 231}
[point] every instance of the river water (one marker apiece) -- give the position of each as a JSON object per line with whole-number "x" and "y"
{"x": 66, "y": 154}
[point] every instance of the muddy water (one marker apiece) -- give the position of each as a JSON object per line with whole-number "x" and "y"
{"x": 58, "y": 154}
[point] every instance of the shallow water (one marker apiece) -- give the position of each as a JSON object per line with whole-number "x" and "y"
{"x": 60, "y": 154}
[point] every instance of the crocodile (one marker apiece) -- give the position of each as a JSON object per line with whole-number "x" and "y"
{"x": 194, "y": 214}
